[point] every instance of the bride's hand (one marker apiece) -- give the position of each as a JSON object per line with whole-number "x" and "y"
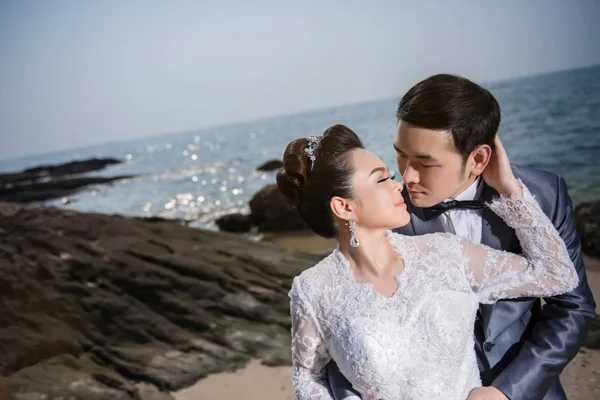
{"x": 486, "y": 393}
{"x": 498, "y": 173}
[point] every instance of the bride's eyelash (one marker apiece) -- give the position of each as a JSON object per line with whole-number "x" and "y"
{"x": 391, "y": 175}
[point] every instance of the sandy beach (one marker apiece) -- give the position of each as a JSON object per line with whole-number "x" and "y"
{"x": 581, "y": 378}
{"x": 255, "y": 382}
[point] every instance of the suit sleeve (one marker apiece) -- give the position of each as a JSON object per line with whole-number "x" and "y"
{"x": 562, "y": 327}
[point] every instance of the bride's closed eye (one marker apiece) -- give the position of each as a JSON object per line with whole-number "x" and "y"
{"x": 386, "y": 178}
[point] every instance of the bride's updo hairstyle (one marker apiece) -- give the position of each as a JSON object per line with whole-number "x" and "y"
{"x": 310, "y": 190}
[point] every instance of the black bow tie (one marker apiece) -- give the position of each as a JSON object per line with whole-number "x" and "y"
{"x": 437, "y": 210}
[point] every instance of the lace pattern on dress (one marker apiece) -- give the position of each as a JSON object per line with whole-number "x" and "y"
{"x": 418, "y": 343}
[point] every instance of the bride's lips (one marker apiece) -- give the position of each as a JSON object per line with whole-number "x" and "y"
{"x": 400, "y": 203}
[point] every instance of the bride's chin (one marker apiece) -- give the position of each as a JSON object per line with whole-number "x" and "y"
{"x": 398, "y": 222}
{"x": 403, "y": 220}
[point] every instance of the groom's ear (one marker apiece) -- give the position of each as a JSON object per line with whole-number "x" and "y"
{"x": 341, "y": 207}
{"x": 480, "y": 157}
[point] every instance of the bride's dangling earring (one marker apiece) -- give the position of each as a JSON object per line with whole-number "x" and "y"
{"x": 352, "y": 225}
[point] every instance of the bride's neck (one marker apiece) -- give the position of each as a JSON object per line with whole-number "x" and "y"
{"x": 373, "y": 255}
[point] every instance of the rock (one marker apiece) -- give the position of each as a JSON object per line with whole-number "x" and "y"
{"x": 587, "y": 219}
{"x": 41, "y": 183}
{"x": 95, "y": 306}
{"x": 271, "y": 212}
{"x": 272, "y": 165}
{"x": 593, "y": 338}
{"x": 73, "y": 167}
{"x": 31, "y": 175}
{"x": 41, "y": 191}
{"x": 236, "y": 223}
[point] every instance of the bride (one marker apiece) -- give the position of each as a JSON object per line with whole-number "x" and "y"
{"x": 396, "y": 313}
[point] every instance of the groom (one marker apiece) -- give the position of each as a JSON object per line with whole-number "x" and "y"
{"x": 446, "y": 128}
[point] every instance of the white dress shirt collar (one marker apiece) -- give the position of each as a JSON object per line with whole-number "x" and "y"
{"x": 471, "y": 193}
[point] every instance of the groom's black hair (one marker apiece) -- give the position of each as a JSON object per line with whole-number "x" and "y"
{"x": 453, "y": 103}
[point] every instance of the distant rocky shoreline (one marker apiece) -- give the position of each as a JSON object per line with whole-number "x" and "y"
{"x": 49, "y": 182}
{"x": 269, "y": 211}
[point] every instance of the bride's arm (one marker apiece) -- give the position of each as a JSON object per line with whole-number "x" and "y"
{"x": 544, "y": 269}
{"x": 309, "y": 355}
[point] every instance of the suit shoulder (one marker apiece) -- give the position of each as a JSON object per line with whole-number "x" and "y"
{"x": 537, "y": 180}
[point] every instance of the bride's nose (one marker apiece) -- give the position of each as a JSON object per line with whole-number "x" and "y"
{"x": 398, "y": 186}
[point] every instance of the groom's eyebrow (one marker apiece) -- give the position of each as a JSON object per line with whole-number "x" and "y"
{"x": 419, "y": 156}
{"x": 425, "y": 157}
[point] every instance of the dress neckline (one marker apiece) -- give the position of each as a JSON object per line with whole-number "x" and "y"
{"x": 346, "y": 269}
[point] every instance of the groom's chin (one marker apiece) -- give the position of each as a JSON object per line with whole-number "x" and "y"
{"x": 420, "y": 201}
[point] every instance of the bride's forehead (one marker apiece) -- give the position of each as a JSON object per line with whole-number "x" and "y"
{"x": 364, "y": 155}
{"x": 365, "y": 160}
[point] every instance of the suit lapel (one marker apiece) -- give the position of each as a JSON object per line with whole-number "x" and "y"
{"x": 494, "y": 231}
{"x": 422, "y": 227}
{"x": 417, "y": 219}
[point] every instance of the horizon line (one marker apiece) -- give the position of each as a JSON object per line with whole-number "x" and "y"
{"x": 275, "y": 116}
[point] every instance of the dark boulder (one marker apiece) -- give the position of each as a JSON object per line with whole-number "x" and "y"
{"x": 236, "y": 223}
{"x": 272, "y": 165}
{"x": 587, "y": 218}
{"x": 270, "y": 212}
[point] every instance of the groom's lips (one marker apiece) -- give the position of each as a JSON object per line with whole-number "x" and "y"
{"x": 414, "y": 192}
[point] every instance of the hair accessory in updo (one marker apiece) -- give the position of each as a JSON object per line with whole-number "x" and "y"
{"x": 311, "y": 150}
{"x": 311, "y": 195}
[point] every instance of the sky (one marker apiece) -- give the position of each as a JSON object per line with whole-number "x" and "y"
{"x": 78, "y": 73}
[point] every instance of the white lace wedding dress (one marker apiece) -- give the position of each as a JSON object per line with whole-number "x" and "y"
{"x": 418, "y": 343}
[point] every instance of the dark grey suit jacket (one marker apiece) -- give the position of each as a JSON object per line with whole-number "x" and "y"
{"x": 521, "y": 346}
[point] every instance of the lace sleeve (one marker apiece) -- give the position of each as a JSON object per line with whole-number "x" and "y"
{"x": 309, "y": 355}
{"x": 544, "y": 269}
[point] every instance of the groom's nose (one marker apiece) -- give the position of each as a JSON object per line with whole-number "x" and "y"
{"x": 410, "y": 175}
